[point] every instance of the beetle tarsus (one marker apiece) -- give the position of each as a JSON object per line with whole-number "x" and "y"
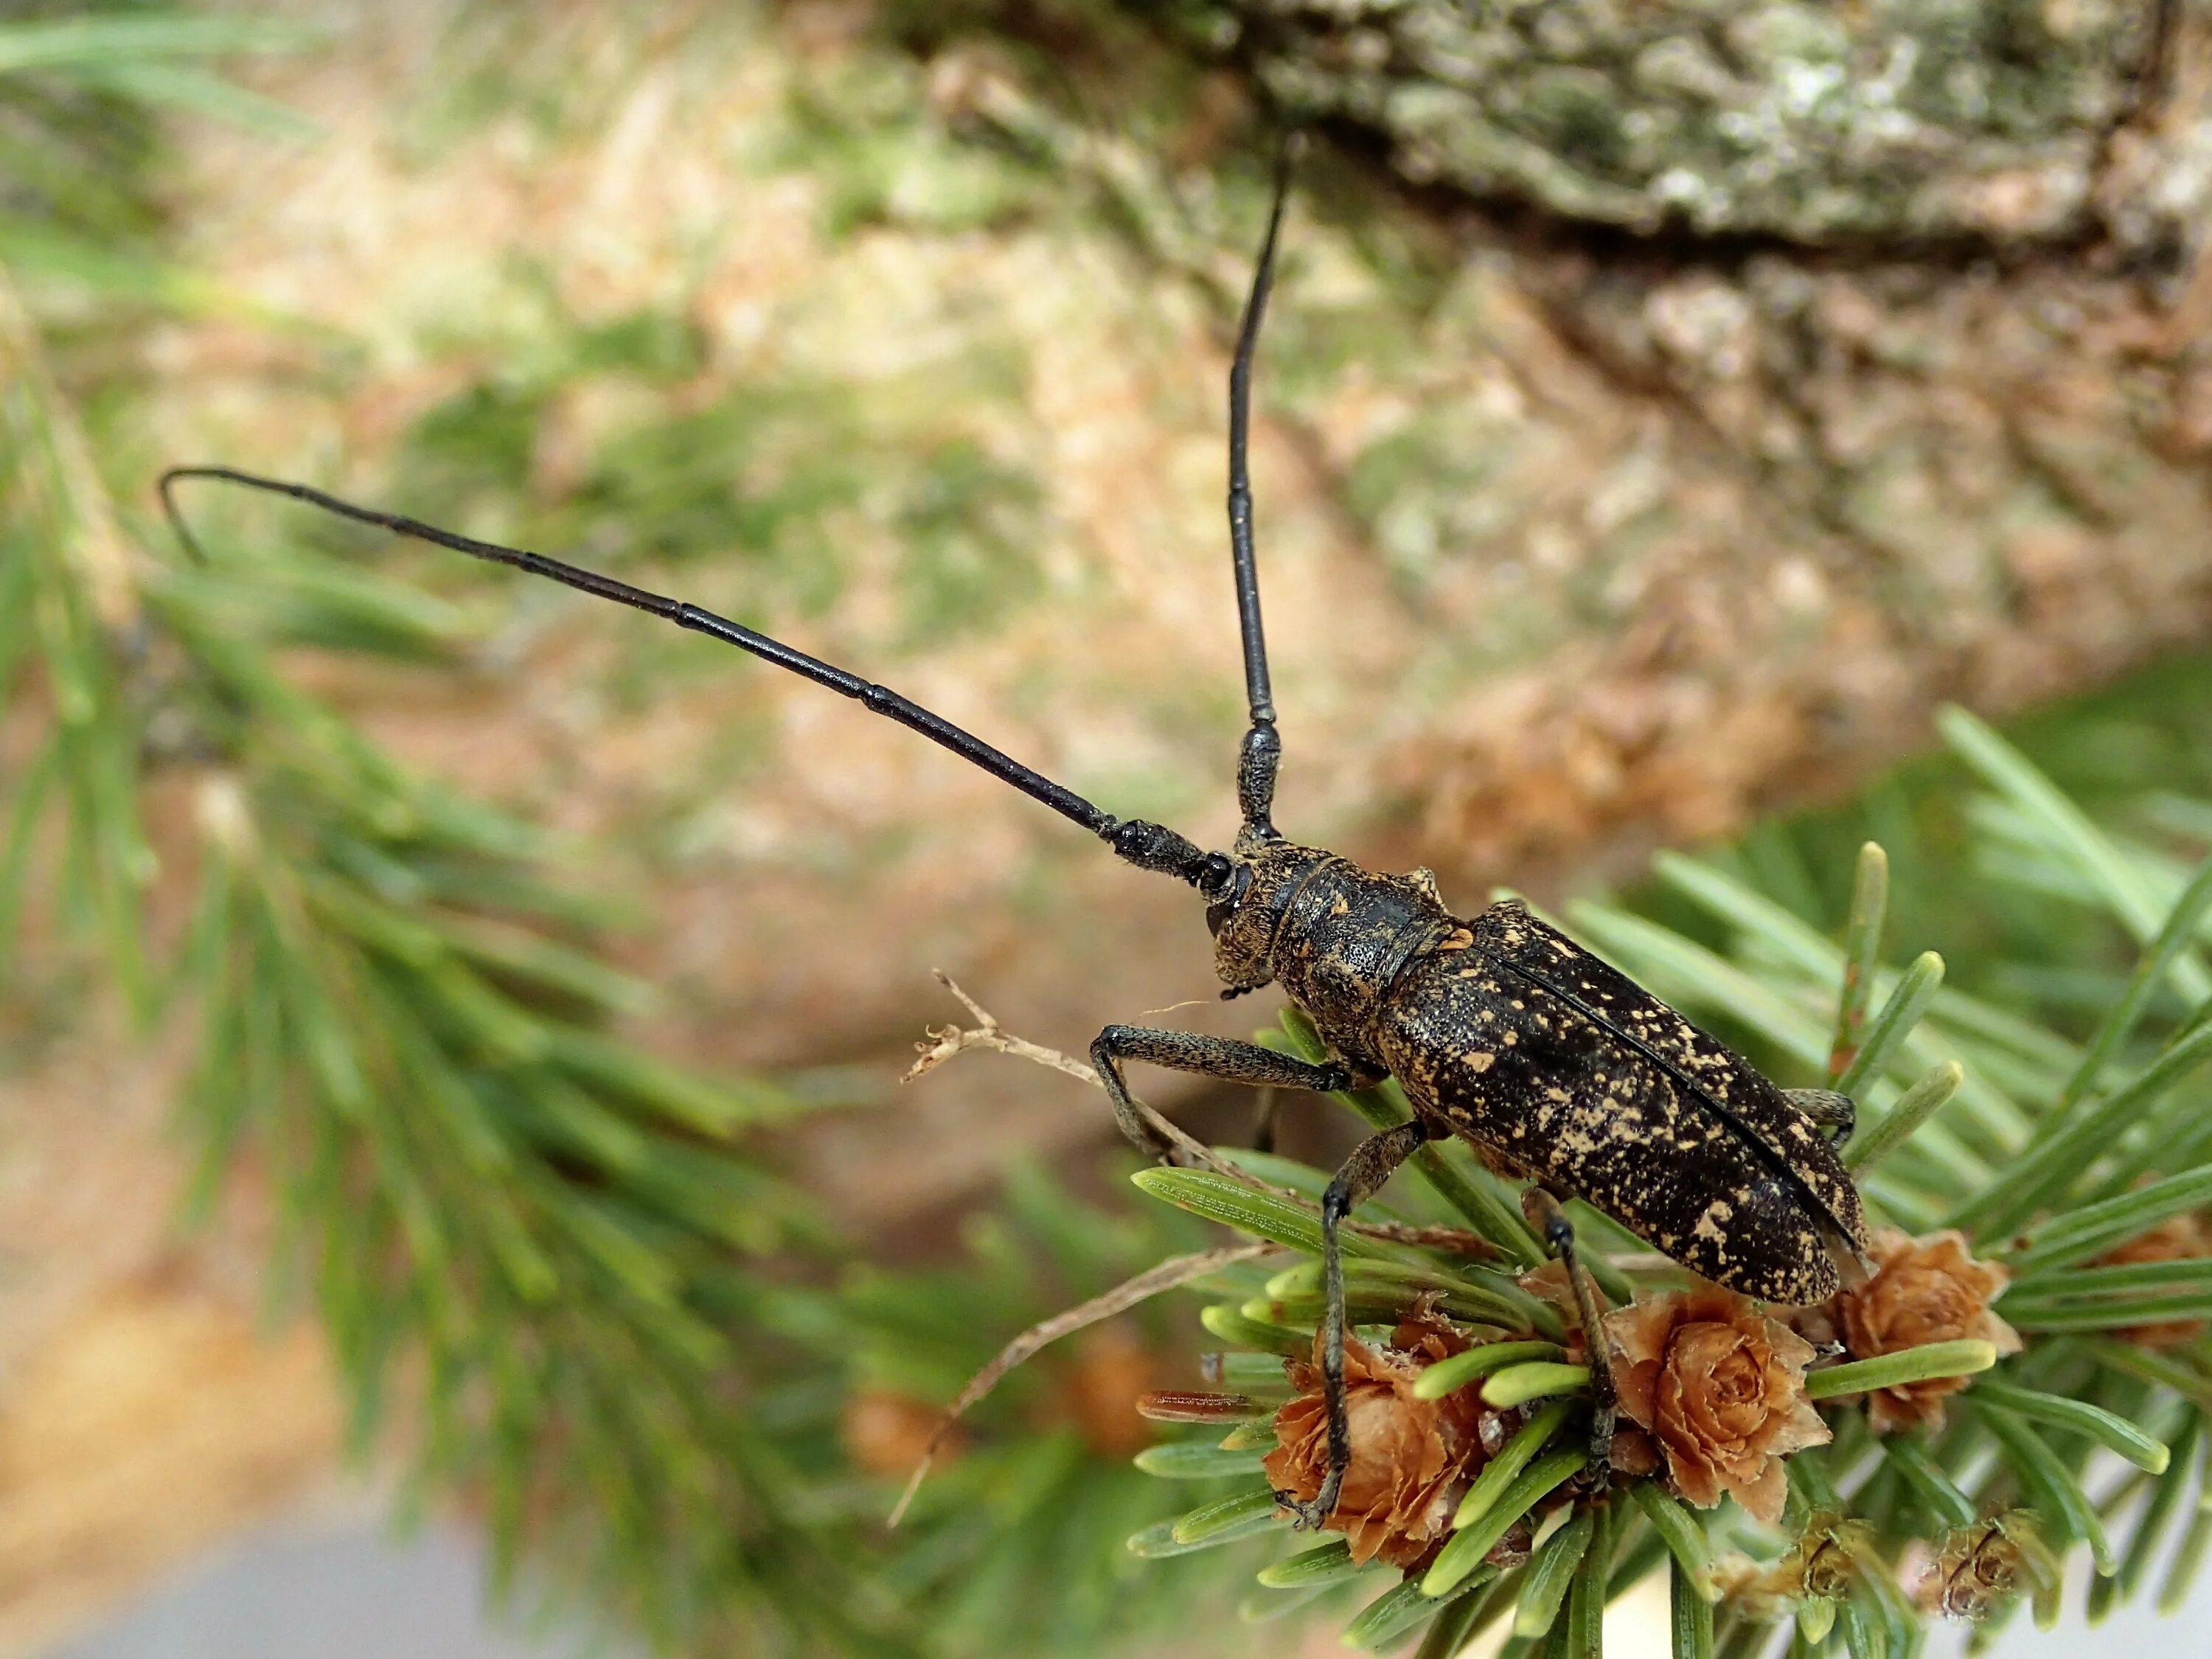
{"x": 1310, "y": 1517}
{"x": 1360, "y": 1178}
{"x": 1545, "y": 1214}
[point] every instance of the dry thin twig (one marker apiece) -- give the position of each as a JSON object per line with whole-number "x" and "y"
{"x": 945, "y": 1041}
{"x": 948, "y": 1040}
{"x": 1175, "y": 1270}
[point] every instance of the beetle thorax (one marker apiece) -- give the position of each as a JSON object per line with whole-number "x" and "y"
{"x": 1334, "y": 936}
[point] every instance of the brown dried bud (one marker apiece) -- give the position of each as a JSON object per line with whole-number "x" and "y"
{"x": 2178, "y": 1238}
{"x": 1926, "y": 1290}
{"x": 887, "y": 1433}
{"x": 1635, "y": 1453}
{"x": 1112, "y": 1368}
{"x": 1980, "y": 1565}
{"x": 1411, "y": 1460}
{"x": 1721, "y": 1388}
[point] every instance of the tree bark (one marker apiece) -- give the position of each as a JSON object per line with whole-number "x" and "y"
{"x": 1872, "y": 126}
{"x": 1844, "y": 359}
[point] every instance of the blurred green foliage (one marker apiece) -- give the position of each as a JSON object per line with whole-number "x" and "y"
{"x": 2137, "y": 757}
{"x": 527, "y": 1240}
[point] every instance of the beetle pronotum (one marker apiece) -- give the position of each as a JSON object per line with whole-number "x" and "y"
{"x": 1556, "y": 1067}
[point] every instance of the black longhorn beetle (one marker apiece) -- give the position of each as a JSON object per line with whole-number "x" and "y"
{"x": 1557, "y": 1067}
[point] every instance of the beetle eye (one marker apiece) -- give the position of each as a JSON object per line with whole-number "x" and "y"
{"x": 1235, "y": 880}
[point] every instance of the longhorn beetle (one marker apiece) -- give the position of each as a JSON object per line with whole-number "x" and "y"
{"x": 1557, "y": 1067}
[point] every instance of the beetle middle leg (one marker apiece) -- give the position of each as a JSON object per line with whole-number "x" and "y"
{"x": 1371, "y": 1164}
{"x": 1209, "y": 1056}
{"x": 1550, "y": 1220}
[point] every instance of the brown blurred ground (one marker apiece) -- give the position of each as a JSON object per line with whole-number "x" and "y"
{"x": 146, "y": 1413}
{"x": 1574, "y": 545}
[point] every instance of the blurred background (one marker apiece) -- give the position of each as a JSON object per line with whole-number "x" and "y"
{"x": 451, "y": 1029}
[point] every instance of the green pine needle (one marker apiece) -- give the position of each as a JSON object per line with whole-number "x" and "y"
{"x": 1496, "y": 1475}
{"x": 1324, "y": 1564}
{"x": 2114, "y": 1433}
{"x": 1456, "y": 1371}
{"x": 1551, "y": 1575}
{"x": 1517, "y": 1385}
{"x": 1925, "y": 1364}
{"x": 1476, "y": 1538}
{"x": 1905, "y": 1116}
{"x": 1900, "y": 1013}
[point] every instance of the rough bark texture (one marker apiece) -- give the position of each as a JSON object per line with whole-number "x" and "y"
{"x": 1903, "y": 398}
{"x": 1929, "y": 120}
{"x": 1806, "y": 504}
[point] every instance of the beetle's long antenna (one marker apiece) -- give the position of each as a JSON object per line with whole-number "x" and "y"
{"x": 1148, "y": 846}
{"x": 1262, "y": 751}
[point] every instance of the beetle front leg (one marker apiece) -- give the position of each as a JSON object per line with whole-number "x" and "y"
{"x": 1548, "y": 1219}
{"x": 1362, "y": 1176}
{"x": 1209, "y": 1056}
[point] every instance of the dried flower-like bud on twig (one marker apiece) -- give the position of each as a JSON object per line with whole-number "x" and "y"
{"x": 1923, "y": 1291}
{"x": 1411, "y": 1460}
{"x": 2178, "y": 1238}
{"x": 1721, "y": 1388}
{"x": 1819, "y": 1567}
{"x": 1980, "y": 1565}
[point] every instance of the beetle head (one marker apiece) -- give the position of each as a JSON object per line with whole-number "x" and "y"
{"x": 1245, "y": 909}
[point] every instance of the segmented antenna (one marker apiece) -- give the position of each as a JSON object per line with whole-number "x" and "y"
{"x": 1148, "y": 846}
{"x": 1262, "y": 749}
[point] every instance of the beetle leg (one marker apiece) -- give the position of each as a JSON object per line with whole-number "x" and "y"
{"x": 1209, "y": 1056}
{"x": 1362, "y": 1176}
{"x": 1545, "y": 1214}
{"x": 1836, "y": 1113}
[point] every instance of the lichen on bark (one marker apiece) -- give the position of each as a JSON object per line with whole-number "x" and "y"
{"x": 1814, "y": 123}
